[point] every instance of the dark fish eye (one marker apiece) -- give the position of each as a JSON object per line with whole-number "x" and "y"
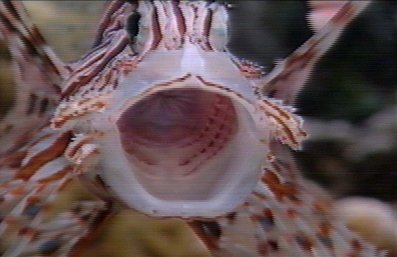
{"x": 132, "y": 25}
{"x": 131, "y": 1}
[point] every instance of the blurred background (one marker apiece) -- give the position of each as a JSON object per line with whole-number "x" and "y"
{"x": 349, "y": 106}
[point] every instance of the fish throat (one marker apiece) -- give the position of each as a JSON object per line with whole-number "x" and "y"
{"x": 173, "y": 134}
{"x": 179, "y": 117}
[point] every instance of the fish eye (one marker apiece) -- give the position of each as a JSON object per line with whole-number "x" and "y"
{"x": 132, "y": 25}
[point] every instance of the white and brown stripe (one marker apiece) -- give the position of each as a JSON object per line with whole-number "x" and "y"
{"x": 14, "y": 20}
{"x": 163, "y": 25}
{"x": 282, "y": 218}
{"x": 290, "y": 75}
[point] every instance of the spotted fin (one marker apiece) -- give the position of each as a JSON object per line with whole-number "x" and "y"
{"x": 290, "y": 75}
{"x": 37, "y": 76}
{"x": 284, "y": 216}
{"x": 62, "y": 234}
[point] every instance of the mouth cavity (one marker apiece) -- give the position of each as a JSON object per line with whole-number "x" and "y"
{"x": 171, "y": 134}
{"x": 189, "y": 147}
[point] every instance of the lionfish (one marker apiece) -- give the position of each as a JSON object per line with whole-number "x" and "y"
{"x": 161, "y": 118}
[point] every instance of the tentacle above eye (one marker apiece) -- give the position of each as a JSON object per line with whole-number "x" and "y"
{"x": 290, "y": 75}
{"x": 112, "y": 40}
{"x": 321, "y": 12}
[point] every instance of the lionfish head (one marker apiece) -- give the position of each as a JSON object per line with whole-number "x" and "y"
{"x": 183, "y": 140}
{"x": 183, "y": 134}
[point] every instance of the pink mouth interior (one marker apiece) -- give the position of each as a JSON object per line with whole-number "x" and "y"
{"x": 172, "y": 133}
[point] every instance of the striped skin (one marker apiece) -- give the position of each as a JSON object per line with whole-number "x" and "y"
{"x": 37, "y": 71}
{"x": 32, "y": 166}
{"x": 282, "y": 216}
{"x": 285, "y": 215}
{"x": 179, "y": 32}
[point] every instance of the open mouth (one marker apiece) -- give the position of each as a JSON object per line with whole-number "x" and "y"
{"x": 186, "y": 148}
{"x": 179, "y": 129}
{"x": 175, "y": 135}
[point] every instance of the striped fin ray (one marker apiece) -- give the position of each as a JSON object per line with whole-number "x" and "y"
{"x": 31, "y": 178}
{"x": 25, "y": 204}
{"x": 321, "y": 12}
{"x": 289, "y": 75}
{"x": 33, "y": 169}
{"x": 284, "y": 216}
{"x": 37, "y": 75}
{"x": 16, "y": 21}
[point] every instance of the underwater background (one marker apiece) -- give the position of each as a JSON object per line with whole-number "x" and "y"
{"x": 349, "y": 106}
